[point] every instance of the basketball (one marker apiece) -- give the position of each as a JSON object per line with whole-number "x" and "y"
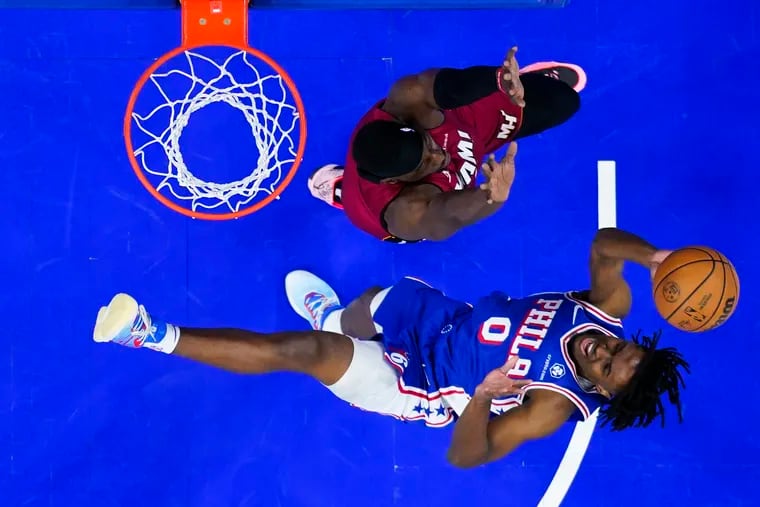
{"x": 696, "y": 289}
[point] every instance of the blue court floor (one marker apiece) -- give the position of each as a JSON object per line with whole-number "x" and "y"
{"x": 671, "y": 98}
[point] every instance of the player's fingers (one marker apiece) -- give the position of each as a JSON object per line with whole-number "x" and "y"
{"x": 510, "y": 87}
{"x": 511, "y": 151}
{"x": 519, "y": 97}
{"x": 491, "y": 163}
{"x": 514, "y": 66}
{"x": 487, "y": 171}
{"x": 510, "y": 56}
{"x": 511, "y": 362}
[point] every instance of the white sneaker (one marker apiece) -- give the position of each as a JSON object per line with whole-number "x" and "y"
{"x": 126, "y": 323}
{"x": 324, "y": 184}
{"x": 310, "y": 297}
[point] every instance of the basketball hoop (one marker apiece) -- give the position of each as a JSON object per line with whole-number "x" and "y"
{"x": 214, "y": 64}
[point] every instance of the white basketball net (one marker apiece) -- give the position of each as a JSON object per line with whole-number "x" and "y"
{"x": 263, "y": 100}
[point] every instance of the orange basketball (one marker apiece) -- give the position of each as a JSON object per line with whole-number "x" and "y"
{"x": 696, "y": 289}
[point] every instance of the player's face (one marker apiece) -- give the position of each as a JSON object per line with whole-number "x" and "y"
{"x": 607, "y": 361}
{"x": 434, "y": 159}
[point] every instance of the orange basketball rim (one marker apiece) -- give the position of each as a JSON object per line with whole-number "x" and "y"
{"x": 216, "y": 23}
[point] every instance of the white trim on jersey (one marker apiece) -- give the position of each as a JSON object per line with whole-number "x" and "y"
{"x": 422, "y": 282}
{"x": 596, "y": 312}
{"x": 567, "y": 393}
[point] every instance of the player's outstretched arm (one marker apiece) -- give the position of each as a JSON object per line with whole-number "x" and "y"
{"x": 424, "y": 212}
{"x": 610, "y": 250}
{"x": 477, "y": 440}
{"x": 420, "y": 97}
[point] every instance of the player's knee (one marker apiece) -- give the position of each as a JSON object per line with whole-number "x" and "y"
{"x": 567, "y": 102}
{"x": 561, "y": 101}
{"x": 369, "y": 294}
{"x": 549, "y": 102}
{"x": 303, "y": 353}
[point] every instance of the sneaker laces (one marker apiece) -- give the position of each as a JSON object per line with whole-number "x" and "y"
{"x": 324, "y": 189}
{"x": 142, "y": 328}
{"x": 316, "y": 304}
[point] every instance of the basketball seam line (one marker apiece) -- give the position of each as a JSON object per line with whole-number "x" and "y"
{"x": 720, "y": 300}
{"x": 695, "y": 288}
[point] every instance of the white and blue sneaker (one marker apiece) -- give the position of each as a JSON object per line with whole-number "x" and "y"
{"x": 126, "y": 323}
{"x": 311, "y": 297}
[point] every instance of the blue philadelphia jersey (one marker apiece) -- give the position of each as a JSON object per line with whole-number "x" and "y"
{"x": 444, "y": 348}
{"x": 538, "y": 329}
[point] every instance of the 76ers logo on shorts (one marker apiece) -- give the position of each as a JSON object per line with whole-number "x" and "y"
{"x": 398, "y": 357}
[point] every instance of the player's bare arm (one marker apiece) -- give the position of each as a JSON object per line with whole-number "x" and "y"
{"x": 477, "y": 439}
{"x": 425, "y": 212}
{"x": 610, "y": 249}
{"x": 419, "y": 98}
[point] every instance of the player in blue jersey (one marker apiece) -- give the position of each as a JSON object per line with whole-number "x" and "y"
{"x": 505, "y": 370}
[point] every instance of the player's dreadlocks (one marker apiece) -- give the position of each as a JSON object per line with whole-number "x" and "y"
{"x": 639, "y": 404}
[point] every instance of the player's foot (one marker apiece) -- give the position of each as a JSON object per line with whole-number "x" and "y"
{"x": 310, "y": 297}
{"x": 570, "y": 74}
{"x": 324, "y": 184}
{"x": 125, "y": 322}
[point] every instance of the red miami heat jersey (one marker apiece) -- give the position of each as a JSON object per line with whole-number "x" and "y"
{"x": 467, "y": 134}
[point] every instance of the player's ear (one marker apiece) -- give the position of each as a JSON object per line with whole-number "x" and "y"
{"x": 604, "y": 392}
{"x": 389, "y": 181}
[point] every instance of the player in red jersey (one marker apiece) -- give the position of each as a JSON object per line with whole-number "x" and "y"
{"x": 410, "y": 173}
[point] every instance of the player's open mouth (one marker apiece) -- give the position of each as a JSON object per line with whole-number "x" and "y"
{"x": 588, "y": 345}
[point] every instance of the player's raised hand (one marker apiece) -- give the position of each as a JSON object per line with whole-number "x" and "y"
{"x": 497, "y": 383}
{"x": 510, "y": 78}
{"x": 499, "y": 175}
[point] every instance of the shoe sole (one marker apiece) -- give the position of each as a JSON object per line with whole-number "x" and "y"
{"x": 315, "y": 171}
{"x": 582, "y": 78}
{"x": 119, "y": 313}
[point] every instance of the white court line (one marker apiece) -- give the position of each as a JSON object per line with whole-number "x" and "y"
{"x": 606, "y": 201}
{"x": 571, "y": 462}
{"x": 576, "y": 449}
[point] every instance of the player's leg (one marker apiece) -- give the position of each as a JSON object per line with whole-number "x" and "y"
{"x": 353, "y": 370}
{"x": 550, "y": 99}
{"x": 410, "y": 315}
{"x": 322, "y": 355}
{"x": 371, "y": 313}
